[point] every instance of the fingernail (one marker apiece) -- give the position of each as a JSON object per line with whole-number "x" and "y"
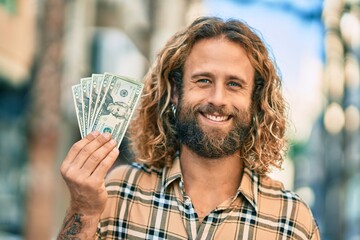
{"x": 107, "y": 135}
{"x": 113, "y": 141}
{"x": 95, "y": 133}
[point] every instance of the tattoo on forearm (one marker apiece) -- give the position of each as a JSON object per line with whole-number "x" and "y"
{"x": 71, "y": 227}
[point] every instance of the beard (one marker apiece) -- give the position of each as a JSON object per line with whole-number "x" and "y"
{"x": 211, "y": 142}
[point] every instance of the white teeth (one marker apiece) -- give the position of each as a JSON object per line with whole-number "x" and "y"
{"x": 216, "y": 118}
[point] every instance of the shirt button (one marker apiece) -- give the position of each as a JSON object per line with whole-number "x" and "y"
{"x": 188, "y": 201}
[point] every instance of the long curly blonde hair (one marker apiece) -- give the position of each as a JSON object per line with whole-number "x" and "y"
{"x": 152, "y": 132}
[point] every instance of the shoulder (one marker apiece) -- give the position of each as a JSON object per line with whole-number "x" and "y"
{"x": 273, "y": 190}
{"x": 269, "y": 187}
{"x": 134, "y": 174}
{"x": 285, "y": 205}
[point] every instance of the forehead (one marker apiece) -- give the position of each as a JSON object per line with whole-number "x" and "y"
{"x": 219, "y": 55}
{"x": 217, "y": 45}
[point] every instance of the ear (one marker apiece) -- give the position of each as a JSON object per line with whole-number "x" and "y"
{"x": 174, "y": 94}
{"x": 175, "y": 81}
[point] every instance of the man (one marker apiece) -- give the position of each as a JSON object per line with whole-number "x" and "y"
{"x": 210, "y": 125}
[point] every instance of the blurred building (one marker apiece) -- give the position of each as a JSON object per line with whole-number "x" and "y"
{"x": 17, "y": 51}
{"x": 332, "y": 156}
{"x": 341, "y": 120}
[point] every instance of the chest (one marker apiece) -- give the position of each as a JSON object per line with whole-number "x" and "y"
{"x": 155, "y": 215}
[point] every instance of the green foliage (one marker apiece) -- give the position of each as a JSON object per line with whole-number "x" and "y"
{"x": 9, "y": 5}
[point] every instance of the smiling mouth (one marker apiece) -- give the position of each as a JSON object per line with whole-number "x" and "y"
{"x": 217, "y": 118}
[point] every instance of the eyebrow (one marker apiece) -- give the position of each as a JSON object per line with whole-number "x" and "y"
{"x": 210, "y": 75}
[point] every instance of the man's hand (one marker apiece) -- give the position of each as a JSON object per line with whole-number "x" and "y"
{"x": 84, "y": 170}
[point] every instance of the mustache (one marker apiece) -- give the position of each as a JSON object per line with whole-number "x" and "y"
{"x": 211, "y": 109}
{"x": 241, "y": 117}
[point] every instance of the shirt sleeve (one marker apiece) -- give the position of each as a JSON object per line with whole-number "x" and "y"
{"x": 316, "y": 232}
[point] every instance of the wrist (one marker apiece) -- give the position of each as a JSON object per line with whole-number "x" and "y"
{"x": 84, "y": 210}
{"x": 78, "y": 225}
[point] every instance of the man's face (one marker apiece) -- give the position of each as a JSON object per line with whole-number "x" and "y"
{"x": 214, "y": 109}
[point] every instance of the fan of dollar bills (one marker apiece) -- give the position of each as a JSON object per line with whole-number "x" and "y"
{"x": 105, "y": 102}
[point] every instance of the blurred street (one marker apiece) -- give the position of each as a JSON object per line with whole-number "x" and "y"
{"x": 47, "y": 46}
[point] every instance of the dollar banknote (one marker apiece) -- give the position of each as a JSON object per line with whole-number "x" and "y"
{"x": 101, "y": 97}
{"x": 96, "y": 81}
{"x": 86, "y": 95}
{"x": 117, "y": 106}
{"x": 106, "y": 103}
{"x": 77, "y": 96}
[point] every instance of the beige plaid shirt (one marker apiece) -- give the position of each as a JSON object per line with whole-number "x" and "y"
{"x": 149, "y": 203}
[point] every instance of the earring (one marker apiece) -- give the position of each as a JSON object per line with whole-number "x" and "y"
{"x": 173, "y": 109}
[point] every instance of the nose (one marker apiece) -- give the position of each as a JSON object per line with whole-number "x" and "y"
{"x": 218, "y": 95}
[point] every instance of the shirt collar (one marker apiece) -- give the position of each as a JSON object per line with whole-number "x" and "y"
{"x": 249, "y": 186}
{"x": 171, "y": 174}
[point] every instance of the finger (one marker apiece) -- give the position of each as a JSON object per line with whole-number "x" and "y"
{"x": 90, "y": 149}
{"x": 77, "y": 147}
{"x": 103, "y": 167}
{"x": 96, "y": 157}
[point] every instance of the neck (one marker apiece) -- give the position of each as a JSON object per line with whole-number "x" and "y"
{"x": 209, "y": 182}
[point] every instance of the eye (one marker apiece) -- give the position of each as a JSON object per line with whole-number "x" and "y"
{"x": 203, "y": 82}
{"x": 234, "y": 84}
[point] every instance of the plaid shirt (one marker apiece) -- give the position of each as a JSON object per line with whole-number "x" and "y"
{"x": 148, "y": 203}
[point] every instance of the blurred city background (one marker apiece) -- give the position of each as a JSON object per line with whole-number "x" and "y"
{"x": 46, "y": 46}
